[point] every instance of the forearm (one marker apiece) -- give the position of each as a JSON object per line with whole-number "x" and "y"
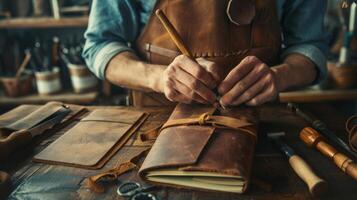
{"x": 295, "y": 71}
{"x": 127, "y": 70}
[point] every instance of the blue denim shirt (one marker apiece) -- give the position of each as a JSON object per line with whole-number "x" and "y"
{"x": 115, "y": 24}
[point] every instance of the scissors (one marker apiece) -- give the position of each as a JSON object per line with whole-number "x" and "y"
{"x": 134, "y": 191}
{"x": 5, "y": 184}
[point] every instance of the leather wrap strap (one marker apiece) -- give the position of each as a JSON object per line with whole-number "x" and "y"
{"x": 207, "y": 119}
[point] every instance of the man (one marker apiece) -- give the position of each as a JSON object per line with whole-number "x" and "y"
{"x": 236, "y": 43}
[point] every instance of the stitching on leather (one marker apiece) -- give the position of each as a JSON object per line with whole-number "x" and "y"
{"x": 152, "y": 49}
{"x": 108, "y": 121}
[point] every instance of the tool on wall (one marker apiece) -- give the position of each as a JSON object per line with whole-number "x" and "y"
{"x": 321, "y": 127}
{"x": 312, "y": 138}
{"x": 23, "y": 64}
{"x": 317, "y": 186}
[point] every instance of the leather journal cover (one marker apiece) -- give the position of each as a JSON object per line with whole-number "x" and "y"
{"x": 94, "y": 139}
{"x": 203, "y": 148}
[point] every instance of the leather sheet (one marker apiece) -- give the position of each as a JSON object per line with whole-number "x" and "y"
{"x": 94, "y": 139}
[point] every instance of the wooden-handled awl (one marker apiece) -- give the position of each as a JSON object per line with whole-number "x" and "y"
{"x": 313, "y": 139}
{"x": 176, "y": 38}
{"x": 317, "y": 186}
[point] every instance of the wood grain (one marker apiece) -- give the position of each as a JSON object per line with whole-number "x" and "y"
{"x": 270, "y": 168}
{"x": 43, "y": 22}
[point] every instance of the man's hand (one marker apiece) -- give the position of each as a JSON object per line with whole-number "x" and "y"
{"x": 251, "y": 82}
{"x": 186, "y": 81}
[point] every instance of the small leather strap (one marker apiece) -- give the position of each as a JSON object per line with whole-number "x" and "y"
{"x": 112, "y": 174}
{"x": 207, "y": 119}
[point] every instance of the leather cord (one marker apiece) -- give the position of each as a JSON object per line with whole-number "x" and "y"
{"x": 351, "y": 128}
{"x": 205, "y": 119}
{"x": 112, "y": 174}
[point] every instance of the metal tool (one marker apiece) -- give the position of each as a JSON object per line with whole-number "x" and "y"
{"x": 312, "y": 138}
{"x": 20, "y": 138}
{"x": 317, "y": 186}
{"x": 134, "y": 191}
{"x": 321, "y": 127}
{"x": 5, "y": 184}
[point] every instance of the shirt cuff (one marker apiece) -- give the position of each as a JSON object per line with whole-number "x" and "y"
{"x": 105, "y": 55}
{"x": 314, "y": 54}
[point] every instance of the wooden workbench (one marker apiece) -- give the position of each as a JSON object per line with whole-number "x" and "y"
{"x": 270, "y": 166}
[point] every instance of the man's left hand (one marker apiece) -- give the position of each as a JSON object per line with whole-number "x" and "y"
{"x": 251, "y": 82}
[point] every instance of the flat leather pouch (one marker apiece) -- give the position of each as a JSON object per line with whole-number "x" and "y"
{"x": 94, "y": 139}
{"x": 200, "y": 148}
{"x": 28, "y": 116}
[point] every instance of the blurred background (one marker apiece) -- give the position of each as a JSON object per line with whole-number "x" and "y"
{"x": 40, "y": 57}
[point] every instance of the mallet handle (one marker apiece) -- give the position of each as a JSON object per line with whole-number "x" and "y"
{"x": 313, "y": 139}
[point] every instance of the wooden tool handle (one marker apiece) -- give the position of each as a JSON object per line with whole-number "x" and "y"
{"x": 13, "y": 141}
{"x": 317, "y": 186}
{"x": 23, "y": 65}
{"x": 173, "y": 34}
{"x": 313, "y": 139}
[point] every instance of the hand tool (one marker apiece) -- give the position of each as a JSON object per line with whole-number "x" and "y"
{"x": 312, "y": 138}
{"x": 5, "y": 184}
{"x": 135, "y": 191}
{"x": 321, "y": 127}
{"x": 22, "y": 137}
{"x": 23, "y": 64}
{"x": 317, "y": 186}
{"x": 176, "y": 38}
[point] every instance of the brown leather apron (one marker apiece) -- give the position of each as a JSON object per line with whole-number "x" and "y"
{"x": 223, "y": 31}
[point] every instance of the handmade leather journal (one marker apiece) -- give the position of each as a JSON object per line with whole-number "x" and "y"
{"x": 204, "y": 148}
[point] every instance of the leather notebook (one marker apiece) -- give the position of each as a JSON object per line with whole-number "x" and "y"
{"x": 203, "y": 148}
{"x": 94, "y": 139}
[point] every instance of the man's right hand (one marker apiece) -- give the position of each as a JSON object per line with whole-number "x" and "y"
{"x": 186, "y": 81}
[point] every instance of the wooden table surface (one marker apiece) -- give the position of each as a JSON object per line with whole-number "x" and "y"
{"x": 270, "y": 168}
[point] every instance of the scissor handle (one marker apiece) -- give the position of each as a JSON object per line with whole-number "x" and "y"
{"x": 5, "y": 184}
{"x": 14, "y": 141}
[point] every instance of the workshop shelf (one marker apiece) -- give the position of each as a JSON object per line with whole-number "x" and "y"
{"x": 316, "y": 95}
{"x": 43, "y": 22}
{"x": 65, "y": 96}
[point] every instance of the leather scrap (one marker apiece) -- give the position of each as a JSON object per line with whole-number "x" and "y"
{"x": 93, "y": 182}
{"x": 112, "y": 174}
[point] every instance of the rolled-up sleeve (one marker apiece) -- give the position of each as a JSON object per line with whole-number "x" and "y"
{"x": 303, "y": 32}
{"x": 113, "y": 24}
